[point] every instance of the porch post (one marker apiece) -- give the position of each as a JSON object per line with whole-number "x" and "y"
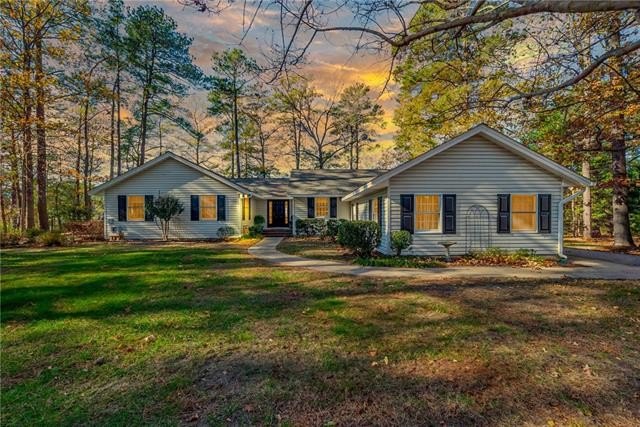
{"x": 292, "y": 208}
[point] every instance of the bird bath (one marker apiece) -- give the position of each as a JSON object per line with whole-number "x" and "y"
{"x": 447, "y": 245}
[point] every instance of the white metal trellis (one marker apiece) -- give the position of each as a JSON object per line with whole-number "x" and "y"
{"x": 477, "y": 229}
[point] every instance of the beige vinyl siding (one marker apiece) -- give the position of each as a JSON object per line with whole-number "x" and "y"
{"x": 477, "y": 171}
{"x": 181, "y": 181}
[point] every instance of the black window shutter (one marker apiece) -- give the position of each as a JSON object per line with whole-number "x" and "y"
{"x": 195, "y": 208}
{"x": 333, "y": 207}
{"x": 222, "y": 208}
{"x": 122, "y": 208}
{"x": 449, "y": 214}
{"x": 544, "y": 213}
{"x": 370, "y": 209}
{"x": 406, "y": 212}
{"x": 380, "y": 211}
{"x": 148, "y": 202}
{"x": 504, "y": 213}
{"x": 311, "y": 207}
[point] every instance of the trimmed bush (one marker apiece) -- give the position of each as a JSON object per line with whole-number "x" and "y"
{"x": 361, "y": 237}
{"x": 259, "y": 220}
{"x": 311, "y": 227}
{"x": 51, "y": 238}
{"x": 333, "y": 225}
{"x": 400, "y": 240}
{"x": 226, "y": 232}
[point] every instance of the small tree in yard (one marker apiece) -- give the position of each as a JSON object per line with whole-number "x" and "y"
{"x": 164, "y": 209}
{"x": 400, "y": 240}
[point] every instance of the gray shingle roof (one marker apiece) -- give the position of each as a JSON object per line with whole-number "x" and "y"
{"x": 329, "y": 182}
{"x": 310, "y": 182}
{"x": 265, "y": 187}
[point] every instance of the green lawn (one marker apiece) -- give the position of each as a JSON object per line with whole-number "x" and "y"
{"x": 204, "y": 334}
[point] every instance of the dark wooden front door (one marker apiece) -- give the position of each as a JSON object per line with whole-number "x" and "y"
{"x": 278, "y": 213}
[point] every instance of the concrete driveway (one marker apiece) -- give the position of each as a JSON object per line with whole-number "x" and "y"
{"x": 582, "y": 268}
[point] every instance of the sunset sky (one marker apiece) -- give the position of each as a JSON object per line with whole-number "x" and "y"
{"x": 331, "y": 62}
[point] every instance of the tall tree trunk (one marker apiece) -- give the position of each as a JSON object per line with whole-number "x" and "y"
{"x": 351, "y": 159}
{"x": 236, "y": 136}
{"x": 86, "y": 163}
{"x": 27, "y": 149}
{"x": 118, "y": 120}
{"x": 621, "y": 225}
{"x": 160, "y": 133}
{"x": 357, "y": 142}
{"x": 41, "y": 165}
{"x": 112, "y": 133}
{"x": 16, "y": 193}
{"x": 143, "y": 127}
{"x": 263, "y": 160}
{"x": 78, "y": 160}
{"x": 586, "y": 202}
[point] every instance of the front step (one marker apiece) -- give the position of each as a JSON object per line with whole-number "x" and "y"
{"x": 276, "y": 232}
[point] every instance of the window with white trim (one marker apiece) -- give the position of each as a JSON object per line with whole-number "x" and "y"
{"x": 523, "y": 212}
{"x": 427, "y": 212}
{"x": 135, "y": 208}
{"x": 208, "y": 208}
{"x": 322, "y": 207}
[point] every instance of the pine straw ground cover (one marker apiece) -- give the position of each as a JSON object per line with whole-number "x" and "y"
{"x": 203, "y": 334}
{"x": 325, "y": 249}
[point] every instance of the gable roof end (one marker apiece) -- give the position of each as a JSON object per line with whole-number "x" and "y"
{"x": 167, "y": 155}
{"x": 490, "y": 134}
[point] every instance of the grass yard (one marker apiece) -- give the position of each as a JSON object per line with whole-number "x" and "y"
{"x": 204, "y": 334}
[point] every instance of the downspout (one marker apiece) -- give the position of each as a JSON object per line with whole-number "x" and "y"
{"x": 561, "y": 221}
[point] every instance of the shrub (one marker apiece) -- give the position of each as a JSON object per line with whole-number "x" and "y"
{"x": 259, "y": 220}
{"x": 361, "y": 237}
{"x": 10, "y": 238}
{"x": 226, "y": 232}
{"x": 51, "y": 238}
{"x": 79, "y": 213}
{"x": 311, "y": 227}
{"x": 332, "y": 228}
{"x": 400, "y": 240}
{"x": 32, "y": 234}
{"x": 256, "y": 230}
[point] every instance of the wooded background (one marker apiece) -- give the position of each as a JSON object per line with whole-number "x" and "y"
{"x": 90, "y": 90}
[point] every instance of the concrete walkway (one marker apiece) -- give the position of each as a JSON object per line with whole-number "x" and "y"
{"x": 267, "y": 250}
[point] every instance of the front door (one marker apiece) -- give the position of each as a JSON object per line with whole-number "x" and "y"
{"x": 278, "y": 213}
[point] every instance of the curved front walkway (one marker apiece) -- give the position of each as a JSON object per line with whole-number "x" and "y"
{"x": 267, "y": 250}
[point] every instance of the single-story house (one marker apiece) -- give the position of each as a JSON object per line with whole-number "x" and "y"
{"x": 480, "y": 189}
